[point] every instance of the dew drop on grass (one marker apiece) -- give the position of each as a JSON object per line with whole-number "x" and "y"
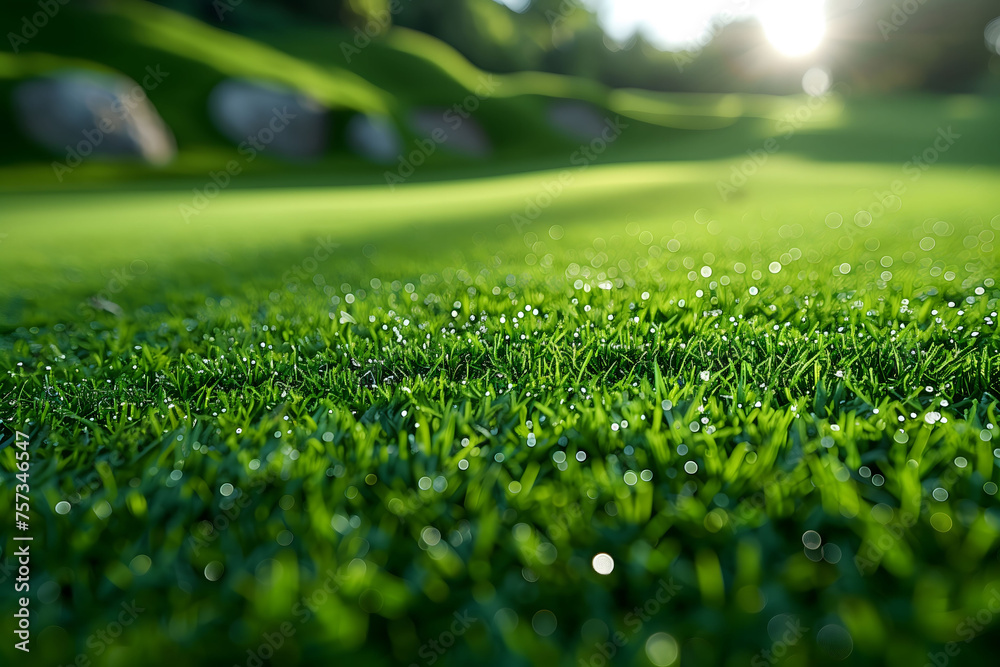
{"x": 662, "y": 649}
{"x": 835, "y": 641}
{"x": 430, "y": 536}
{"x": 831, "y": 553}
{"x": 882, "y": 513}
{"x": 140, "y": 564}
{"x": 811, "y": 539}
{"x": 941, "y": 522}
{"x": 103, "y": 508}
{"x": 603, "y": 564}
{"x": 214, "y": 570}
{"x": 544, "y": 622}
{"x": 506, "y": 619}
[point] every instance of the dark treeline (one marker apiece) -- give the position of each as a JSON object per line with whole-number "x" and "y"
{"x": 874, "y": 46}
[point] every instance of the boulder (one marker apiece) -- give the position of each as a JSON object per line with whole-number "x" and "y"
{"x": 374, "y": 138}
{"x": 92, "y": 114}
{"x": 464, "y": 136}
{"x": 576, "y": 120}
{"x": 286, "y": 121}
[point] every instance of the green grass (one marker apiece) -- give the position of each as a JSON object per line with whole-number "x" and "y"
{"x": 410, "y": 415}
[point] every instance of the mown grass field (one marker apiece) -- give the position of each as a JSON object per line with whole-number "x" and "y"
{"x": 331, "y": 418}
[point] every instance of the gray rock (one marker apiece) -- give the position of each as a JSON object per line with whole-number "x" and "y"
{"x": 286, "y": 121}
{"x": 90, "y": 113}
{"x": 461, "y": 135}
{"x": 576, "y": 120}
{"x": 374, "y": 138}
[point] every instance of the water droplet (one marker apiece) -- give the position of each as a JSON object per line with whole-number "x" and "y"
{"x": 603, "y": 563}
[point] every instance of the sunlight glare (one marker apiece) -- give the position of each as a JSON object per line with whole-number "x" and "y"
{"x": 672, "y": 25}
{"x": 794, "y": 27}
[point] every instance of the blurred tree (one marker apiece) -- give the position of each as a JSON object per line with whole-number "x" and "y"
{"x": 877, "y": 45}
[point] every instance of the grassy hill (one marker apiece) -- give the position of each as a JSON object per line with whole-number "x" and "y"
{"x": 407, "y": 70}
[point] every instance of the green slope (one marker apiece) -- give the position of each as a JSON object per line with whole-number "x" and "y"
{"x": 129, "y": 36}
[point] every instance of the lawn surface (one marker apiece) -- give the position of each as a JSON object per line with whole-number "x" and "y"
{"x": 331, "y": 418}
